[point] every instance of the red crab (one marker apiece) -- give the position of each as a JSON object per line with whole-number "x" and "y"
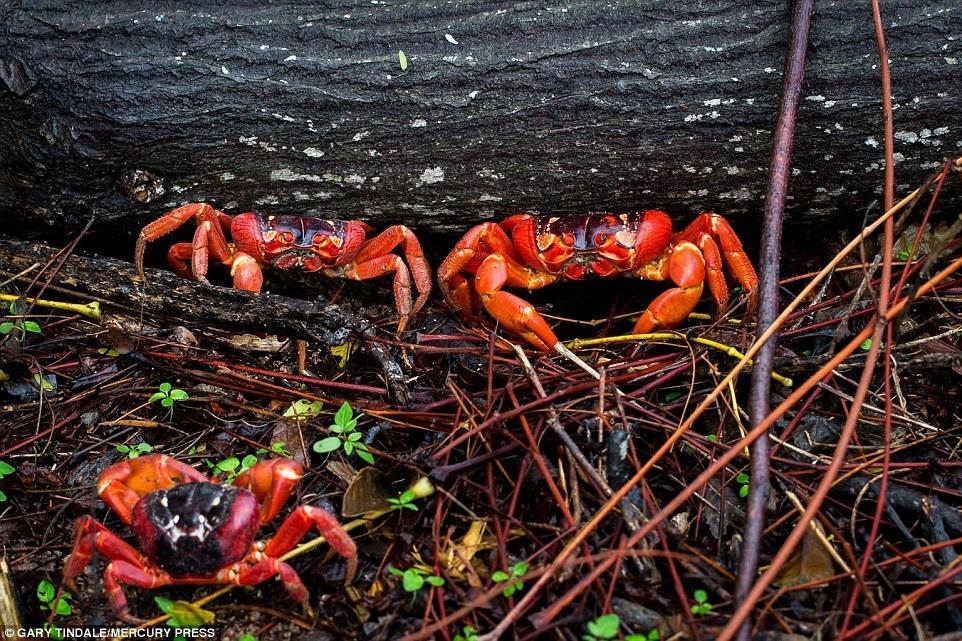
{"x": 336, "y": 248}
{"x": 529, "y": 252}
{"x": 197, "y": 532}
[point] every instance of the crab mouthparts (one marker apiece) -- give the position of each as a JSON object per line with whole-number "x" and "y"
{"x": 305, "y": 261}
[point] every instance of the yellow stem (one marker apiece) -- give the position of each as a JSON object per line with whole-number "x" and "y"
{"x": 87, "y": 309}
{"x": 668, "y": 336}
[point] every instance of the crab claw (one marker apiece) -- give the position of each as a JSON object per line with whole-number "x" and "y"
{"x": 516, "y": 314}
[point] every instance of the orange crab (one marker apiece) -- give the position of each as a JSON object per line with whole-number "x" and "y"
{"x": 335, "y": 248}
{"x": 195, "y": 531}
{"x": 528, "y": 252}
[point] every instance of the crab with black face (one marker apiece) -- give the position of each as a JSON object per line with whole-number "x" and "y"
{"x": 193, "y": 531}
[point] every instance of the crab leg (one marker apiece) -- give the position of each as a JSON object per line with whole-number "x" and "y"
{"x": 385, "y": 242}
{"x": 377, "y": 267}
{"x": 127, "y": 565}
{"x": 480, "y": 242}
{"x": 715, "y": 226}
{"x": 300, "y": 521}
{"x": 515, "y": 313}
{"x": 267, "y": 568}
{"x": 685, "y": 266}
{"x": 175, "y": 219}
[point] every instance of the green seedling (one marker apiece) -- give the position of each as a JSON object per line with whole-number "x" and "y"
{"x": 278, "y": 447}
{"x": 47, "y": 596}
{"x": 467, "y": 634}
{"x": 404, "y": 501}
{"x": 604, "y": 627}
{"x": 413, "y": 579}
{"x": 701, "y": 607}
{"x": 232, "y": 467}
{"x": 247, "y": 637}
{"x": 513, "y": 579}
{"x": 6, "y": 470}
{"x": 346, "y": 436}
{"x": 743, "y": 485}
{"x": 25, "y": 327}
{"x": 167, "y": 394}
{"x": 135, "y": 451}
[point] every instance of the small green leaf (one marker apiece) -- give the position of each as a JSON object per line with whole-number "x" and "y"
{"x": 247, "y": 637}
{"x": 3, "y": 496}
{"x": 865, "y": 345}
{"x": 743, "y": 491}
{"x": 6, "y": 328}
{"x": 700, "y": 596}
{"x": 412, "y": 581}
{"x": 348, "y": 447}
{"x": 403, "y": 60}
{"x": 519, "y": 569}
{"x": 354, "y": 436}
{"x": 165, "y": 387}
{"x": 742, "y": 477}
{"x": 712, "y": 437}
{"x": 178, "y": 395}
{"x": 499, "y": 576}
{"x": 368, "y": 458}
{"x": 6, "y": 469}
{"x": 337, "y": 429}
{"x": 328, "y": 444}
{"x": 605, "y": 626}
{"x": 31, "y": 326}
{"x": 156, "y": 396}
{"x": 123, "y": 449}
{"x": 63, "y": 607}
{"x": 344, "y": 414}
{"x": 393, "y": 570}
{"x": 143, "y": 448}
{"x": 46, "y": 591}
{"x": 436, "y": 581}
{"x": 167, "y": 402}
{"x": 229, "y": 464}
{"x": 248, "y": 462}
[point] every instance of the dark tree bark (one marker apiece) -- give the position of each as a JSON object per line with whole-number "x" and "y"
{"x": 123, "y": 110}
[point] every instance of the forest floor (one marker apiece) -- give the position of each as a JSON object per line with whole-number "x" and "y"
{"x": 495, "y": 470}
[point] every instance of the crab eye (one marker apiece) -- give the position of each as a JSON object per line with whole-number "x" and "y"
{"x": 568, "y": 238}
{"x": 286, "y": 237}
{"x": 600, "y": 238}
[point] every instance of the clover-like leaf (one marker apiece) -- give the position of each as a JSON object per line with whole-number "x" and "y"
{"x": 6, "y": 469}
{"x": 178, "y": 395}
{"x": 165, "y": 387}
{"x": 605, "y": 626}
{"x": 412, "y": 581}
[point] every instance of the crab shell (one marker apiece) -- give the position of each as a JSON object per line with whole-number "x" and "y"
{"x": 196, "y": 528}
{"x": 593, "y": 244}
{"x": 298, "y": 242}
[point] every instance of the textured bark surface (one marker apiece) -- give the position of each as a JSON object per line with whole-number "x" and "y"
{"x": 121, "y": 110}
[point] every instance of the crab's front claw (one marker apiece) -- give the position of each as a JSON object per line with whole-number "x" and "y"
{"x": 515, "y": 313}
{"x": 123, "y": 484}
{"x": 271, "y": 482}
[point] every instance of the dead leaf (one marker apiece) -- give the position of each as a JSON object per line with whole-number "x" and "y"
{"x": 367, "y": 492}
{"x": 810, "y": 562}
